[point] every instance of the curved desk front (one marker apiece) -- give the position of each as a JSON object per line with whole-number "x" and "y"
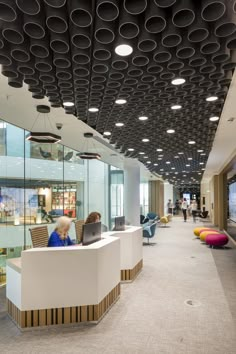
{"x": 63, "y": 285}
{"x": 131, "y": 251}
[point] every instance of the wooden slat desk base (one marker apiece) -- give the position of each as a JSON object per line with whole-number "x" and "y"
{"x": 130, "y": 274}
{"x": 66, "y": 315}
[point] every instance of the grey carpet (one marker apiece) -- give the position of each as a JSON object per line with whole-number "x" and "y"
{"x": 151, "y": 315}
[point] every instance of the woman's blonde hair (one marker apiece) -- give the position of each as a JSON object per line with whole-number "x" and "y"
{"x": 92, "y": 217}
{"x": 61, "y": 223}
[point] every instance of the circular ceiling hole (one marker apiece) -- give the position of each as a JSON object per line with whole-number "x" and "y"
{"x": 183, "y": 17}
{"x": 34, "y": 30}
{"x": 5, "y": 60}
{"x": 140, "y": 60}
{"x": 135, "y": 72}
{"x": 119, "y": 64}
{"x": 98, "y": 79}
{"x": 135, "y": 7}
{"x": 20, "y": 55}
{"x": 100, "y": 68}
{"x": 81, "y": 41}
{"x": 197, "y": 61}
{"x": 59, "y": 46}
{"x": 39, "y": 51}
{"x": 101, "y": 54}
{"x": 81, "y": 71}
{"x": 13, "y": 36}
{"x": 7, "y": 13}
{"x": 185, "y": 52}
{"x": 213, "y": 10}
{"x": 29, "y": 7}
{"x": 25, "y": 70}
{"x": 129, "y": 30}
{"x": 81, "y": 58}
{"x": 81, "y": 17}
{"x": 155, "y": 24}
{"x": 107, "y": 10}
{"x": 104, "y": 35}
{"x": 175, "y": 65}
{"x": 162, "y": 57}
{"x": 147, "y": 45}
{"x": 56, "y": 24}
{"x": 198, "y": 35}
{"x": 171, "y": 40}
{"x": 116, "y": 76}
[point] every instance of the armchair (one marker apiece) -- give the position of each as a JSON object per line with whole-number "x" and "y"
{"x": 149, "y": 232}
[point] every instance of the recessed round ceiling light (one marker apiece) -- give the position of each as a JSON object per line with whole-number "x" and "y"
{"x": 214, "y": 119}
{"x": 176, "y": 106}
{"x": 203, "y": 154}
{"x": 173, "y": 168}
{"x": 68, "y": 104}
{"x": 184, "y": 175}
{"x": 145, "y": 140}
{"x": 187, "y": 165}
{"x": 190, "y": 158}
{"x": 145, "y": 157}
{"x": 180, "y": 153}
{"x": 123, "y": 50}
{"x": 148, "y": 162}
{"x": 191, "y": 142}
{"x": 155, "y": 164}
{"x": 107, "y": 133}
{"x": 119, "y": 124}
{"x": 120, "y": 101}
{"x": 161, "y": 169}
{"x": 93, "y": 109}
{"x": 131, "y": 149}
{"x": 141, "y": 153}
{"x": 203, "y": 169}
{"x": 176, "y": 157}
{"x": 178, "y": 81}
{"x": 170, "y": 131}
{"x": 167, "y": 162}
{"x": 143, "y": 118}
{"x": 199, "y": 150}
{"x": 211, "y": 98}
{"x": 159, "y": 150}
{"x": 201, "y": 163}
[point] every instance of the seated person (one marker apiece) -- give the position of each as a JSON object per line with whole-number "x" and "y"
{"x": 59, "y": 237}
{"x": 93, "y": 217}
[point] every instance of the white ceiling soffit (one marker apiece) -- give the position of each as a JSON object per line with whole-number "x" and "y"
{"x": 224, "y": 145}
{"x": 19, "y": 108}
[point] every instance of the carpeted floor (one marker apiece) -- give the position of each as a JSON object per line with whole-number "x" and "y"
{"x": 151, "y": 315}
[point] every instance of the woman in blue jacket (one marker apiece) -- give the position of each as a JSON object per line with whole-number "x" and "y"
{"x": 59, "y": 237}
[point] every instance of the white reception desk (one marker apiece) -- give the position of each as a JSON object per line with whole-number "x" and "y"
{"x": 131, "y": 251}
{"x": 63, "y": 285}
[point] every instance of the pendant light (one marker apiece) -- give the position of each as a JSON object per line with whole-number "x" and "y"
{"x": 43, "y": 137}
{"x": 86, "y": 155}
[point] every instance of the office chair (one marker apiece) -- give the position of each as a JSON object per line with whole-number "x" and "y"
{"x": 39, "y": 236}
{"x": 79, "y": 229}
{"x": 45, "y": 154}
{"x": 149, "y": 232}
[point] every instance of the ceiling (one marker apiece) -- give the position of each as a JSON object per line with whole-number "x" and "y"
{"x": 65, "y": 52}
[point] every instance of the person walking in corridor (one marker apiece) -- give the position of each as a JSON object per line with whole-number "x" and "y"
{"x": 184, "y": 209}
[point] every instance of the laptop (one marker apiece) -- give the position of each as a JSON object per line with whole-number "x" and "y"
{"x": 119, "y": 223}
{"x": 91, "y": 233}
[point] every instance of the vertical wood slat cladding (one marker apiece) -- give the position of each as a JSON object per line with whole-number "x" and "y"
{"x": 130, "y": 274}
{"x": 67, "y": 315}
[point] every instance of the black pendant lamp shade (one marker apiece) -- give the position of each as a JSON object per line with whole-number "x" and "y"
{"x": 43, "y": 137}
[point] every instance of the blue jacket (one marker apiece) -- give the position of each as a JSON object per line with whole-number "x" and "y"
{"x": 56, "y": 241}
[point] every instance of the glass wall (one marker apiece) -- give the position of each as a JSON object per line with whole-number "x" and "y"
{"x": 116, "y": 199}
{"x": 39, "y": 183}
{"x": 144, "y": 204}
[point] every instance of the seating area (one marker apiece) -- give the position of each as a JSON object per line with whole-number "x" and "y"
{"x": 211, "y": 237}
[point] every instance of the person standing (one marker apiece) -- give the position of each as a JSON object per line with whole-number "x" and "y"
{"x": 169, "y": 206}
{"x": 194, "y": 210}
{"x": 184, "y": 209}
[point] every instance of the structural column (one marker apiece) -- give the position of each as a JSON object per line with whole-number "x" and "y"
{"x": 156, "y": 197}
{"x": 132, "y": 192}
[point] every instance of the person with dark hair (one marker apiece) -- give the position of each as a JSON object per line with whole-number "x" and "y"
{"x": 93, "y": 217}
{"x": 184, "y": 209}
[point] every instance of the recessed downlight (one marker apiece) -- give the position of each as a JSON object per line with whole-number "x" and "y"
{"x": 176, "y": 157}
{"x": 130, "y": 149}
{"x": 145, "y": 157}
{"x": 180, "y": 153}
{"x": 201, "y": 163}
{"x": 120, "y": 101}
{"x": 145, "y": 140}
{"x": 68, "y": 104}
{"x": 159, "y": 150}
{"x": 107, "y": 133}
{"x": 192, "y": 142}
{"x": 141, "y": 153}
{"x": 203, "y": 154}
{"x": 190, "y": 158}
{"x": 93, "y": 109}
{"x": 170, "y": 131}
{"x": 173, "y": 168}
{"x": 187, "y": 165}
{"x": 176, "y": 106}
{"x": 119, "y": 124}
{"x": 123, "y": 50}
{"x": 148, "y": 162}
{"x": 143, "y": 118}
{"x": 211, "y": 98}
{"x": 167, "y": 162}
{"x": 214, "y": 119}
{"x": 199, "y": 150}
{"x": 178, "y": 81}
{"x": 155, "y": 164}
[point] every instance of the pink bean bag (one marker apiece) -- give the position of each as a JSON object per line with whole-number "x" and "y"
{"x": 217, "y": 240}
